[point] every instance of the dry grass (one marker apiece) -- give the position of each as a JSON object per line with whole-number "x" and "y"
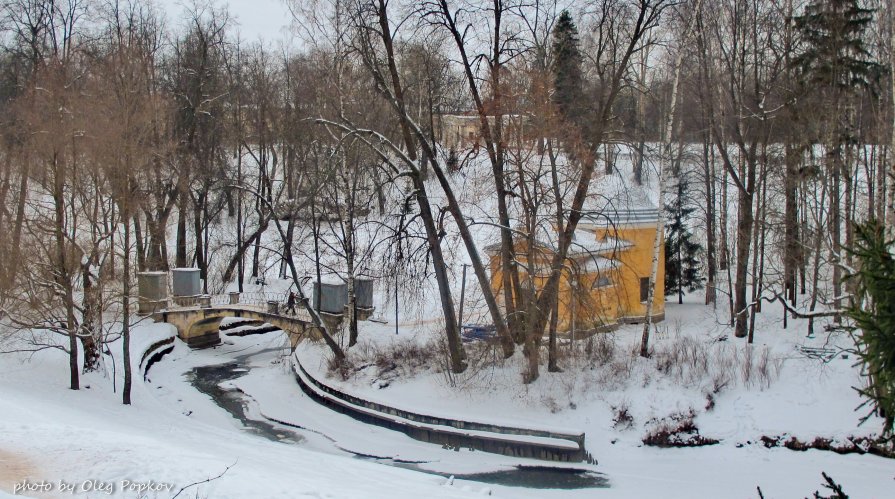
{"x": 398, "y": 359}
{"x": 591, "y": 367}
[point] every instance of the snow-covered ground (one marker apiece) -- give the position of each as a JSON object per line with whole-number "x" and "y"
{"x": 175, "y": 435}
{"x": 784, "y": 393}
{"x": 172, "y": 436}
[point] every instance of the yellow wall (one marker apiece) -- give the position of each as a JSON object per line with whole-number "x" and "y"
{"x": 636, "y": 263}
{"x": 597, "y": 307}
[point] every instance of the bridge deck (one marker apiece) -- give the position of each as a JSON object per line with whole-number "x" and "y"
{"x": 300, "y": 315}
{"x": 199, "y": 325}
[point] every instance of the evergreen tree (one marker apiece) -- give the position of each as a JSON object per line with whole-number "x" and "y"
{"x": 833, "y": 65}
{"x": 873, "y": 311}
{"x": 453, "y": 162}
{"x": 835, "y": 56}
{"x": 567, "y": 76}
{"x": 682, "y": 267}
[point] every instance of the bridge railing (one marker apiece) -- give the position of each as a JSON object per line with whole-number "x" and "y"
{"x": 259, "y": 300}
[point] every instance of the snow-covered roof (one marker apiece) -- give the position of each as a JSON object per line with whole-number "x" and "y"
{"x": 615, "y": 200}
{"x": 584, "y": 242}
{"x": 594, "y": 264}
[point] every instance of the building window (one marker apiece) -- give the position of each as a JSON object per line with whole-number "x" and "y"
{"x": 644, "y": 289}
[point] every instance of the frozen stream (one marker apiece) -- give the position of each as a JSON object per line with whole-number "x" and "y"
{"x": 208, "y": 380}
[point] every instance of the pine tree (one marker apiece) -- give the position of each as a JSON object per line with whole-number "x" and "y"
{"x": 567, "y": 76}
{"x": 835, "y": 56}
{"x": 682, "y": 267}
{"x": 873, "y": 311}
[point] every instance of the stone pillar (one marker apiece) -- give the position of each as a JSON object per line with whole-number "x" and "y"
{"x": 153, "y": 291}
{"x": 273, "y": 307}
{"x": 234, "y": 297}
{"x": 204, "y": 301}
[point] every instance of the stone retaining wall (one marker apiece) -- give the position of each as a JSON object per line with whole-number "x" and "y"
{"x": 154, "y": 353}
{"x": 448, "y": 432}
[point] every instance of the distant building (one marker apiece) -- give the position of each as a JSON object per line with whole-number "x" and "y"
{"x": 464, "y": 131}
{"x": 605, "y": 281}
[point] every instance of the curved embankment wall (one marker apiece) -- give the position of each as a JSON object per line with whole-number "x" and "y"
{"x": 154, "y": 353}
{"x": 447, "y": 432}
{"x": 455, "y": 433}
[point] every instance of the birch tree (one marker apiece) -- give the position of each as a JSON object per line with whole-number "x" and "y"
{"x": 664, "y": 161}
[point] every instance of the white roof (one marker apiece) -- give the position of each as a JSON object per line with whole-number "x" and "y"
{"x": 596, "y": 264}
{"x": 584, "y": 241}
{"x": 615, "y": 200}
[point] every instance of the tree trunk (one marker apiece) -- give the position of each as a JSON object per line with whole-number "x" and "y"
{"x": 240, "y": 252}
{"x": 835, "y": 226}
{"x": 758, "y": 245}
{"x": 455, "y": 345}
{"x": 61, "y": 269}
{"x": 138, "y": 239}
{"x": 180, "y": 257}
{"x": 890, "y": 225}
{"x": 710, "y": 251}
{"x": 848, "y": 180}
{"x": 19, "y": 222}
{"x": 746, "y": 218}
{"x": 791, "y": 221}
{"x": 91, "y": 314}
{"x": 664, "y": 161}
{"x": 725, "y": 246}
{"x": 552, "y": 365}
{"x": 237, "y": 257}
{"x": 199, "y": 251}
{"x": 287, "y": 246}
{"x": 818, "y": 240}
{"x": 349, "y": 263}
{"x": 125, "y": 317}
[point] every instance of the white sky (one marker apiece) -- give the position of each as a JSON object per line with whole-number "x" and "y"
{"x": 266, "y": 20}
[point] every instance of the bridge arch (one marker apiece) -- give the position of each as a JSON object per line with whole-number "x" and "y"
{"x": 200, "y": 327}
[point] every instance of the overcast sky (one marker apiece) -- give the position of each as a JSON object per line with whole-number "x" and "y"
{"x": 267, "y": 20}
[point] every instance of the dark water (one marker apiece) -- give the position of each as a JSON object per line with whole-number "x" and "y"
{"x": 533, "y": 477}
{"x": 538, "y": 477}
{"x": 207, "y": 379}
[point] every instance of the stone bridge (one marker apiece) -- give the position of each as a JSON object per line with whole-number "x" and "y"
{"x": 199, "y": 326}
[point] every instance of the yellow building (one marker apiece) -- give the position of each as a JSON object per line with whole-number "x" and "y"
{"x": 605, "y": 279}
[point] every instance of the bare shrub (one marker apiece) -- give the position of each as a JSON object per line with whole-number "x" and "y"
{"x": 408, "y": 357}
{"x": 618, "y": 371}
{"x": 403, "y": 358}
{"x": 689, "y": 362}
{"x": 709, "y": 402}
{"x": 721, "y": 369}
{"x": 600, "y": 349}
{"x": 622, "y": 418}
{"x": 768, "y": 368}
{"x": 759, "y": 368}
{"x": 746, "y": 366}
{"x": 676, "y": 430}
{"x": 341, "y": 369}
{"x": 685, "y": 359}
